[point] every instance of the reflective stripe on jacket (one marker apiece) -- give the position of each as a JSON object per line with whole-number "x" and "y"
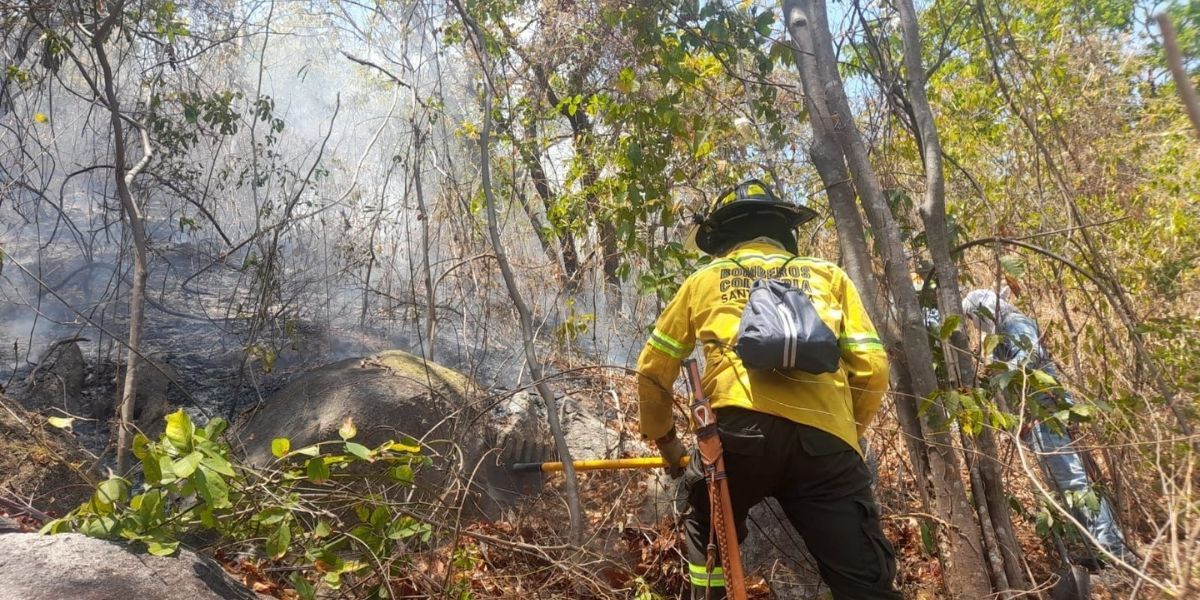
{"x": 708, "y": 308}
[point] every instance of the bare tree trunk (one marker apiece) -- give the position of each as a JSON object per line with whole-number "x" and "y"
{"x": 371, "y": 258}
{"x": 856, "y": 258}
{"x": 933, "y": 209}
{"x": 581, "y": 133}
{"x": 539, "y": 228}
{"x": 541, "y": 184}
{"x": 826, "y": 156}
{"x": 531, "y": 159}
{"x": 1183, "y": 81}
{"x": 986, "y": 476}
{"x": 137, "y": 233}
{"x": 962, "y": 554}
{"x": 423, "y": 216}
{"x": 535, "y": 367}
{"x": 514, "y": 293}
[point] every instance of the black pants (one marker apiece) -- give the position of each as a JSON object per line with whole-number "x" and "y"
{"x": 824, "y": 488}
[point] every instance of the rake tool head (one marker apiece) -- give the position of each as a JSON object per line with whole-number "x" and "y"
{"x": 509, "y": 483}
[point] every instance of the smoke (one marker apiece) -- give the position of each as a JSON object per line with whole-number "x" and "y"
{"x": 230, "y": 272}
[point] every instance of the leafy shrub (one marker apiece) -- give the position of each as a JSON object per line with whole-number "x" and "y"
{"x": 291, "y": 512}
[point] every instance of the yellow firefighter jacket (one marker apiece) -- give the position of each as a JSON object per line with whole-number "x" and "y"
{"x": 708, "y": 308}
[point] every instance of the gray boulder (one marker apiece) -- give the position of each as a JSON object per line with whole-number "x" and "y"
{"x": 57, "y": 380}
{"x": 152, "y": 402}
{"x": 774, "y": 549}
{"x": 388, "y": 395}
{"x": 40, "y": 567}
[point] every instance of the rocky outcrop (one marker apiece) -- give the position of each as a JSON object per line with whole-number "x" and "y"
{"x": 388, "y": 396}
{"x": 57, "y": 380}
{"x": 775, "y": 550}
{"x": 41, "y": 567}
{"x": 153, "y": 402}
{"x": 56, "y": 386}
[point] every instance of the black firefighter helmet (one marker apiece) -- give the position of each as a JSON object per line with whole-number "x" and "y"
{"x": 744, "y": 212}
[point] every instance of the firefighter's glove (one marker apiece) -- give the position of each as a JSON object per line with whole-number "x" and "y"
{"x": 672, "y": 451}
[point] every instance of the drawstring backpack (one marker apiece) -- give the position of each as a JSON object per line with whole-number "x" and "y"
{"x": 780, "y": 328}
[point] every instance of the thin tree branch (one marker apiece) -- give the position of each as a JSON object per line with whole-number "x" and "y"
{"x": 1183, "y": 83}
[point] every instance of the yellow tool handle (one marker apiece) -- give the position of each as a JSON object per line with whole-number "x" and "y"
{"x": 642, "y": 462}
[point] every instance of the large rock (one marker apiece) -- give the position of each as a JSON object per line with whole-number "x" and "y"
{"x": 387, "y": 395}
{"x": 774, "y": 549}
{"x": 152, "y": 402}
{"x": 40, "y": 567}
{"x": 57, "y": 380}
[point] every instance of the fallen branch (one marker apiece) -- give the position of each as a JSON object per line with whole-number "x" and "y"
{"x": 25, "y": 509}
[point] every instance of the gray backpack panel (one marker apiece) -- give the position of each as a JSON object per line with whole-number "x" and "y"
{"x": 780, "y": 329}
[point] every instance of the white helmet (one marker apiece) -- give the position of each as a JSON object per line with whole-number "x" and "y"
{"x": 986, "y": 309}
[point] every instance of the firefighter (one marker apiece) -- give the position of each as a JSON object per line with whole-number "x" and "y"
{"x": 791, "y": 435}
{"x": 1020, "y": 347}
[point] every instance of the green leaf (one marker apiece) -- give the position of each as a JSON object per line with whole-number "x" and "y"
{"x": 271, "y": 516}
{"x": 162, "y": 548}
{"x": 358, "y": 450}
{"x": 1044, "y": 521}
{"x": 179, "y": 430}
{"x": 626, "y": 81}
{"x": 380, "y": 517}
{"x": 1083, "y": 411}
{"x": 318, "y": 471}
{"x": 112, "y": 491}
{"x": 279, "y": 541}
{"x": 218, "y": 464}
{"x": 62, "y": 525}
{"x": 166, "y": 469}
{"x": 215, "y": 428}
{"x": 149, "y": 506}
{"x": 150, "y": 469}
{"x": 407, "y": 445}
{"x": 1044, "y": 379}
{"x": 106, "y": 527}
{"x": 280, "y": 447}
{"x": 322, "y": 529}
{"x": 406, "y": 527}
{"x": 347, "y": 430}
{"x": 1062, "y": 417}
{"x": 304, "y": 588}
{"x": 763, "y": 23}
{"x": 1013, "y": 264}
{"x": 141, "y": 445}
{"x": 61, "y": 422}
{"x": 207, "y": 518}
{"x": 333, "y": 579}
{"x": 928, "y": 544}
{"x": 212, "y": 488}
{"x": 949, "y": 326}
{"x": 187, "y": 465}
{"x": 989, "y": 344}
{"x": 403, "y": 474}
